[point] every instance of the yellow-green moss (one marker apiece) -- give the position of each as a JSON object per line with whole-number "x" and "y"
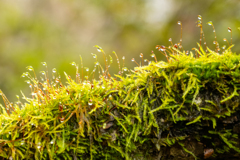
{"x": 158, "y": 105}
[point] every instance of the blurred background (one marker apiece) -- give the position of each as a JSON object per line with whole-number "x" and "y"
{"x": 58, "y": 31}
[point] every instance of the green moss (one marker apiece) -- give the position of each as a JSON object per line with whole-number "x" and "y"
{"x": 161, "y": 105}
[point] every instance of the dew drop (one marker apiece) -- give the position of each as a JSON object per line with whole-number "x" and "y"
{"x": 209, "y": 23}
{"x": 229, "y": 29}
{"x": 87, "y": 69}
{"x": 179, "y": 23}
{"x": 152, "y": 55}
{"x": 103, "y": 87}
{"x": 39, "y": 145}
{"x": 90, "y": 102}
{"x": 123, "y": 57}
{"x": 214, "y": 30}
{"x": 141, "y": 55}
{"x": 145, "y": 60}
{"x": 170, "y": 39}
{"x": 224, "y": 39}
{"x": 99, "y": 50}
{"x": 214, "y": 42}
{"x": 94, "y": 55}
{"x": 52, "y": 141}
{"x": 133, "y": 59}
{"x": 162, "y": 48}
{"x": 125, "y": 69}
{"x": 54, "y": 70}
{"x": 22, "y": 142}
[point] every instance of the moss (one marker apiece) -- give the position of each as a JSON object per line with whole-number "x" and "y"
{"x": 154, "y": 111}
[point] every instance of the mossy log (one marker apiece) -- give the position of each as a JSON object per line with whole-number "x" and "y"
{"x": 185, "y": 109}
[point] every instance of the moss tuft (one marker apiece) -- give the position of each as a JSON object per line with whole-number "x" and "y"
{"x": 185, "y": 108}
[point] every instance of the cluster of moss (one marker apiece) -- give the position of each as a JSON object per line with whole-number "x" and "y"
{"x": 162, "y": 105}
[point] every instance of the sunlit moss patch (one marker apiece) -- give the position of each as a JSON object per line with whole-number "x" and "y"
{"x": 155, "y": 110}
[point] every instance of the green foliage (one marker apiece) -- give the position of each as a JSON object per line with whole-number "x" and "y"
{"x": 159, "y": 105}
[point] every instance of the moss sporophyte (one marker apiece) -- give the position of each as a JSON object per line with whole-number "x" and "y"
{"x": 185, "y": 108}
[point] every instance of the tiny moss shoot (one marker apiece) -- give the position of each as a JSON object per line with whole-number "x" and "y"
{"x": 153, "y": 111}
